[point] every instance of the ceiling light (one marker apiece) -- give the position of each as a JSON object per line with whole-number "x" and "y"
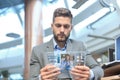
{"x": 13, "y": 35}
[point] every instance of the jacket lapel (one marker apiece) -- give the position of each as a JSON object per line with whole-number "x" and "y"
{"x": 69, "y": 45}
{"x": 50, "y": 46}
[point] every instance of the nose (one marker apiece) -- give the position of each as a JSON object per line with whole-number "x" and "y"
{"x": 62, "y": 28}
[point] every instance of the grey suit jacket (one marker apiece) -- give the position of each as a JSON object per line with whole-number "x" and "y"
{"x": 39, "y": 58}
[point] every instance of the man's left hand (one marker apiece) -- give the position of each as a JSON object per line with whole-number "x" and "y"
{"x": 80, "y": 72}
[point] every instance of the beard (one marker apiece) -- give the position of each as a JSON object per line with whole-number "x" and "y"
{"x": 61, "y": 37}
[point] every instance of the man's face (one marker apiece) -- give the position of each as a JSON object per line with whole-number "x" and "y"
{"x": 61, "y": 28}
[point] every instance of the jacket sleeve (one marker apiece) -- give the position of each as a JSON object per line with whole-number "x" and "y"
{"x": 34, "y": 66}
{"x": 93, "y": 65}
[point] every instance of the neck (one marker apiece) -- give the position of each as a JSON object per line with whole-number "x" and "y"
{"x": 61, "y": 44}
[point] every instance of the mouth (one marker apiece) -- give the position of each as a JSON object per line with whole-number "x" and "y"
{"x": 61, "y": 36}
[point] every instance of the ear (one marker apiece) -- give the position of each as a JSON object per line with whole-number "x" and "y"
{"x": 71, "y": 27}
{"x": 52, "y": 26}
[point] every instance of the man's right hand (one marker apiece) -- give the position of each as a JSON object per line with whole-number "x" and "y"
{"x": 49, "y": 72}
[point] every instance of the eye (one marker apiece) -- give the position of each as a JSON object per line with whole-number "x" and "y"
{"x": 66, "y": 26}
{"x": 58, "y": 25}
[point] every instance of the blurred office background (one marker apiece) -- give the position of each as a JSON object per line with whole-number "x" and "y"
{"x": 96, "y": 22}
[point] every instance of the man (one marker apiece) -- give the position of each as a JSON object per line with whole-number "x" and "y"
{"x": 41, "y": 69}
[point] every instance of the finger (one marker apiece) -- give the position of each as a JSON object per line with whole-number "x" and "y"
{"x": 75, "y": 70}
{"x": 80, "y": 73}
{"x": 56, "y": 70}
{"x": 79, "y": 78}
{"x": 44, "y": 72}
{"x": 84, "y": 68}
{"x": 50, "y": 74}
{"x": 82, "y": 78}
{"x": 47, "y": 67}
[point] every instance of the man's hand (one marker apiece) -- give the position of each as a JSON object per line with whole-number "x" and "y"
{"x": 49, "y": 72}
{"x": 80, "y": 73}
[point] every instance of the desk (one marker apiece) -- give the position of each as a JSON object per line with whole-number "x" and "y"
{"x": 112, "y": 69}
{"x": 115, "y": 77}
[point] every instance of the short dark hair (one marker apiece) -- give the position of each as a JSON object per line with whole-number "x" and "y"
{"x": 62, "y": 12}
